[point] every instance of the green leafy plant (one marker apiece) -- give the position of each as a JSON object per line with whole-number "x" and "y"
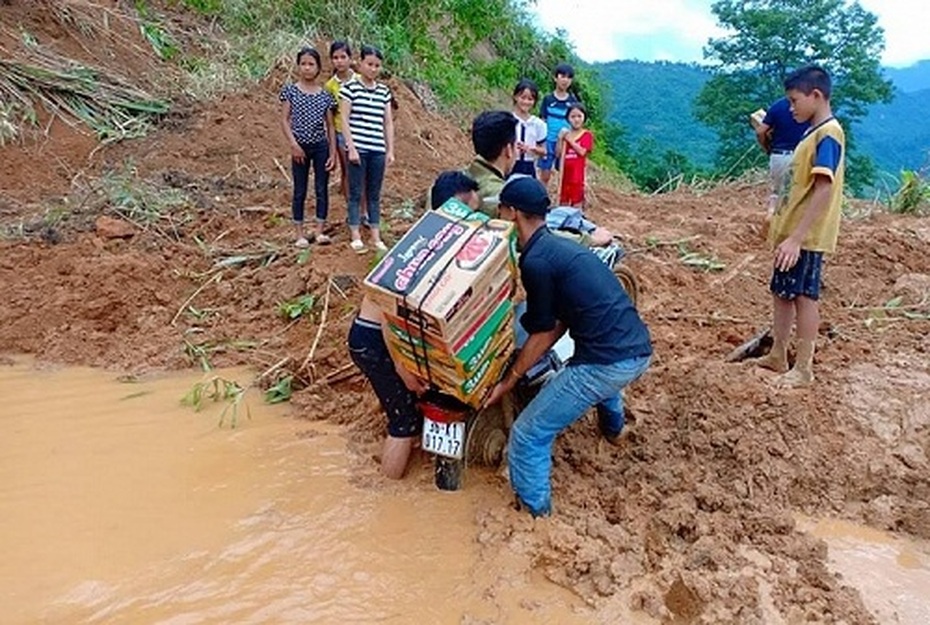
{"x": 156, "y": 34}
{"x": 292, "y": 309}
{"x": 406, "y": 211}
{"x": 280, "y": 391}
{"x": 913, "y": 196}
{"x": 275, "y": 220}
{"x": 218, "y": 389}
{"x": 159, "y": 39}
{"x": 376, "y": 257}
{"x": 199, "y": 353}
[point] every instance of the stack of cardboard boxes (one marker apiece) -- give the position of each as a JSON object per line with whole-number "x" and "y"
{"x": 446, "y": 293}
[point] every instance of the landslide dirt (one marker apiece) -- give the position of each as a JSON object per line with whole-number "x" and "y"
{"x": 694, "y": 516}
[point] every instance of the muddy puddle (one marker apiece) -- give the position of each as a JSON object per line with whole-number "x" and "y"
{"x": 891, "y": 573}
{"x": 119, "y": 505}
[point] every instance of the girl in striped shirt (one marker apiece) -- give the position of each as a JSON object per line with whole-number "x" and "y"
{"x": 368, "y": 129}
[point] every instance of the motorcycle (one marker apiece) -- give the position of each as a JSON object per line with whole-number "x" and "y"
{"x": 458, "y": 435}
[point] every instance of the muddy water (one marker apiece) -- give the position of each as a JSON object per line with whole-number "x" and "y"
{"x": 119, "y": 505}
{"x": 892, "y": 573}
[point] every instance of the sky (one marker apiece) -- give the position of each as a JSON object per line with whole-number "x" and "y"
{"x": 676, "y": 30}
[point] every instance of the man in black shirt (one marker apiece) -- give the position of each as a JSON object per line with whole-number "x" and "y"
{"x": 567, "y": 289}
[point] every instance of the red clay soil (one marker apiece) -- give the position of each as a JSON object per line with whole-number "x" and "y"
{"x": 694, "y": 514}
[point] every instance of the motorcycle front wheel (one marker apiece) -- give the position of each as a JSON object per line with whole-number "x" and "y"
{"x": 628, "y": 281}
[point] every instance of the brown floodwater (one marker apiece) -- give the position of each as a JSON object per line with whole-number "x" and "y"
{"x": 120, "y": 505}
{"x": 891, "y": 572}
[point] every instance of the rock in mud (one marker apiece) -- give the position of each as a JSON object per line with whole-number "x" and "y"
{"x": 110, "y": 228}
{"x": 913, "y": 287}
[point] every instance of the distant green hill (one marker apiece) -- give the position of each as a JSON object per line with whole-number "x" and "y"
{"x": 909, "y": 79}
{"x": 897, "y": 135}
{"x": 653, "y": 103}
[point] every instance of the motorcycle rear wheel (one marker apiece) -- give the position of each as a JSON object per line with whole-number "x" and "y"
{"x": 628, "y": 281}
{"x": 448, "y": 473}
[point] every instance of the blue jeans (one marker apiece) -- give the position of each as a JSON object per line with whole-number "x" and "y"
{"x": 609, "y": 412}
{"x": 560, "y": 403}
{"x": 315, "y": 155}
{"x": 369, "y": 171}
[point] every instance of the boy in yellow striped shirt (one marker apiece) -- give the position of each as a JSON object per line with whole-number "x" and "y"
{"x": 805, "y": 225}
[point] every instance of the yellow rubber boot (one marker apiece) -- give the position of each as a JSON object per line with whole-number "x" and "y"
{"x": 777, "y": 359}
{"x": 802, "y": 374}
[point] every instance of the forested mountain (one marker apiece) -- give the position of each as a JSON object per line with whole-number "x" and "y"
{"x": 653, "y": 103}
{"x": 897, "y": 135}
{"x": 909, "y": 79}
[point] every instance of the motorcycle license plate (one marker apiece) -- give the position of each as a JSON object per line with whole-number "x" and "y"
{"x": 445, "y": 439}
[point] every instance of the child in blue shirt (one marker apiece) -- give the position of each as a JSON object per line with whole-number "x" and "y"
{"x": 554, "y": 111}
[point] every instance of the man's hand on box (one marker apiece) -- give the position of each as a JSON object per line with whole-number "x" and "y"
{"x": 497, "y": 393}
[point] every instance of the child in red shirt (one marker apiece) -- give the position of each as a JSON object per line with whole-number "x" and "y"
{"x": 574, "y": 145}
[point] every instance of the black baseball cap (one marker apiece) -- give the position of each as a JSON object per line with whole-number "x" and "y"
{"x": 525, "y": 194}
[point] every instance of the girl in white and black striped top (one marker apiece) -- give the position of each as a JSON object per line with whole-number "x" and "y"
{"x": 368, "y": 128}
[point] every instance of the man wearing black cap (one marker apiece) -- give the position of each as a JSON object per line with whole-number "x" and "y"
{"x": 567, "y": 289}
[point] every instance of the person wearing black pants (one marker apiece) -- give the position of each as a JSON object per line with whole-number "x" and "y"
{"x": 316, "y": 156}
{"x": 307, "y": 122}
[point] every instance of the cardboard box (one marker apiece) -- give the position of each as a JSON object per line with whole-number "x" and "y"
{"x": 473, "y": 388}
{"x": 445, "y": 290}
{"x": 462, "y": 364}
{"x": 440, "y": 372}
{"x": 464, "y": 355}
{"x": 481, "y": 302}
{"x": 442, "y": 266}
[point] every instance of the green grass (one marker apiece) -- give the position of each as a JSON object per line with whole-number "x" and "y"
{"x": 913, "y": 196}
